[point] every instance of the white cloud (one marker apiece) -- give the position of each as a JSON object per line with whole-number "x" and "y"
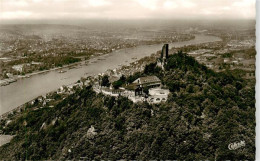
{"x": 60, "y": 1}
{"x": 206, "y": 12}
{"x": 187, "y": 4}
{"x": 127, "y": 9}
{"x": 15, "y": 15}
{"x": 37, "y": 1}
{"x": 98, "y": 3}
{"x": 226, "y": 8}
{"x": 170, "y": 4}
{"x": 243, "y": 3}
{"x": 16, "y": 3}
{"x": 150, "y": 4}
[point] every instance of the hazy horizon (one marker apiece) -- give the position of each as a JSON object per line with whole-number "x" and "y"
{"x": 151, "y": 20}
{"x": 35, "y": 10}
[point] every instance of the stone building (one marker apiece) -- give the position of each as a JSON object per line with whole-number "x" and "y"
{"x": 164, "y": 56}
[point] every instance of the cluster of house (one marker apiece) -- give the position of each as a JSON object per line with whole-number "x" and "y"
{"x": 20, "y": 67}
{"x": 69, "y": 89}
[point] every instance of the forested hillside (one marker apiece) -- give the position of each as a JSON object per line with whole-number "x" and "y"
{"x": 205, "y": 112}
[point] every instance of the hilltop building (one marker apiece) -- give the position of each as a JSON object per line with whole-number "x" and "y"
{"x": 155, "y": 93}
{"x": 135, "y": 90}
{"x": 158, "y": 95}
{"x": 138, "y": 85}
{"x": 149, "y": 81}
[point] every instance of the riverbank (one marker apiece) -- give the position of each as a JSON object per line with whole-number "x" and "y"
{"x": 34, "y": 71}
{"x": 8, "y": 81}
{"x": 24, "y": 90}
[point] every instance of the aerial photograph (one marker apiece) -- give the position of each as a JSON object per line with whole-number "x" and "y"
{"x": 127, "y": 80}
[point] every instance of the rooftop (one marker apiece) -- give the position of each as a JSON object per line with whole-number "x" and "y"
{"x": 149, "y": 79}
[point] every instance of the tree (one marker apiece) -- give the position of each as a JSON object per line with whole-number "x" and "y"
{"x": 151, "y": 69}
{"x": 83, "y": 80}
{"x": 146, "y": 90}
{"x": 105, "y": 81}
{"x": 119, "y": 82}
{"x": 123, "y": 78}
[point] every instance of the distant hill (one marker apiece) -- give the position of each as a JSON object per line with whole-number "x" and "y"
{"x": 205, "y": 112}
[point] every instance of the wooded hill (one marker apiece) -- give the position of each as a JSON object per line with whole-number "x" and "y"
{"x": 205, "y": 112}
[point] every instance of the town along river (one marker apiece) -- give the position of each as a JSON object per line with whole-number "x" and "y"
{"x": 24, "y": 90}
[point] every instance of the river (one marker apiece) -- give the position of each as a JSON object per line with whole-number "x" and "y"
{"x": 24, "y": 90}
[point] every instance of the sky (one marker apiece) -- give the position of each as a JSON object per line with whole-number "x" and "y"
{"x": 126, "y": 9}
